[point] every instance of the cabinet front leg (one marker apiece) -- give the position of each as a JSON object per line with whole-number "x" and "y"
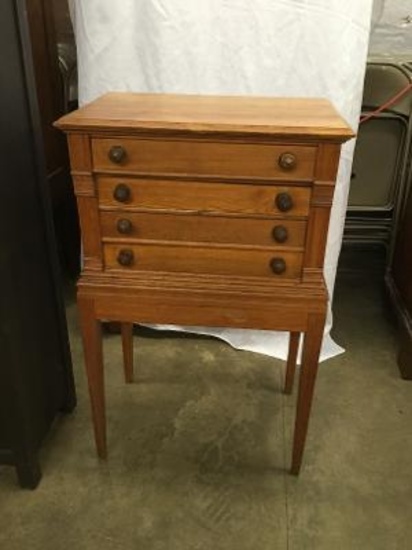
{"x": 310, "y": 359}
{"x": 93, "y": 354}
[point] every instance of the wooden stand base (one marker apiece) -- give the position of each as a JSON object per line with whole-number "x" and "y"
{"x": 96, "y": 302}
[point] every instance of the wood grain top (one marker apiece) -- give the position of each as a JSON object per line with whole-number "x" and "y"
{"x": 291, "y": 117}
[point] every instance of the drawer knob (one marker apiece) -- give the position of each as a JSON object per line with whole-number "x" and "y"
{"x": 278, "y": 265}
{"x": 284, "y": 202}
{"x": 125, "y": 257}
{"x": 122, "y": 192}
{"x": 287, "y": 161}
{"x": 280, "y": 234}
{"x": 117, "y": 154}
{"x": 124, "y": 226}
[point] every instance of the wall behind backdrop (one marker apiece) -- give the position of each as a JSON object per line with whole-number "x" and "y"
{"x": 392, "y": 31}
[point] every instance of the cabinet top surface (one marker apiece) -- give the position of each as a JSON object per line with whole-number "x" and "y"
{"x": 124, "y": 111}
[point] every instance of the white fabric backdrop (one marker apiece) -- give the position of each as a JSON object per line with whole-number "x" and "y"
{"x": 300, "y": 48}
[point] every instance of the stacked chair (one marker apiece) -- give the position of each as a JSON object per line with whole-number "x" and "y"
{"x": 382, "y": 156}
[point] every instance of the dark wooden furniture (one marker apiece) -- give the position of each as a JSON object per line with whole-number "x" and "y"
{"x": 204, "y": 211}
{"x": 36, "y": 380}
{"x": 51, "y": 101}
{"x": 399, "y": 284}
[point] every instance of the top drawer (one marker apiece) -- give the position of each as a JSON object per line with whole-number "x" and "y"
{"x": 224, "y": 159}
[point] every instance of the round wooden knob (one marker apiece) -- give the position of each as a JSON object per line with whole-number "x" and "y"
{"x": 284, "y": 202}
{"x": 124, "y": 226}
{"x": 125, "y": 257}
{"x": 280, "y": 233}
{"x": 117, "y": 154}
{"x": 278, "y": 265}
{"x": 287, "y": 161}
{"x": 122, "y": 192}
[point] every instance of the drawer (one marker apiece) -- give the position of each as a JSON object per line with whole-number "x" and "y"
{"x": 203, "y": 259}
{"x": 207, "y": 229}
{"x": 290, "y": 162}
{"x": 203, "y": 197}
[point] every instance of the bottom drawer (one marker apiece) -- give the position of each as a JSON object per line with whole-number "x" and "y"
{"x": 240, "y": 261}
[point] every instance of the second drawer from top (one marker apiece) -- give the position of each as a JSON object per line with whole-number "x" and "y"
{"x": 203, "y": 197}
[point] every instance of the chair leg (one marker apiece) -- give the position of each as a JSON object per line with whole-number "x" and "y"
{"x": 127, "y": 344}
{"x": 309, "y": 368}
{"x": 294, "y": 339}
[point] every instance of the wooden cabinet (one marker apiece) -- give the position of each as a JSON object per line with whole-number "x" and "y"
{"x": 204, "y": 211}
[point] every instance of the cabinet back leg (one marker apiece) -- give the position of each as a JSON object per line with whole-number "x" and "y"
{"x": 127, "y": 344}
{"x": 294, "y": 339}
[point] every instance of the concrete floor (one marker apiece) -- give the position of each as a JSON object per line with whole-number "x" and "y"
{"x": 200, "y": 445}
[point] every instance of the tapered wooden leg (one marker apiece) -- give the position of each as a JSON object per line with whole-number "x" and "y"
{"x": 310, "y": 358}
{"x": 294, "y": 338}
{"x": 127, "y": 344}
{"x": 93, "y": 354}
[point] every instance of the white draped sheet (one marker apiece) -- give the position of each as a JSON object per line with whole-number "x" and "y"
{"x": 301, "y": 48}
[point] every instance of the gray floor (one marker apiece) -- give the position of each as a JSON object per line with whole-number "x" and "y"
{"x": 200, "y": 444}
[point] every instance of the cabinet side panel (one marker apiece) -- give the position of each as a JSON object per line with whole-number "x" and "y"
{"x": 81, "y": 168}
{"x": 321, "y": 203}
